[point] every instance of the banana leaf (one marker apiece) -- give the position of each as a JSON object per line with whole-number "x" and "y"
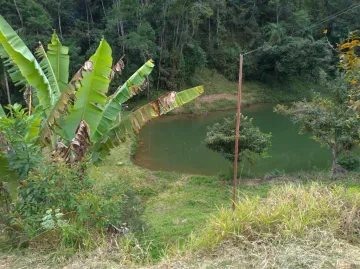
{"x": 2, "y": 112}
{"x": 113, "y": 107}
{"x": 25, "y": 61}
{"x": 90, "y": 97}
{"x": 59, "y": 60}
{"x": 60, "y": 108}
{"x": 49, "y": 71}
{"x": 133, "y": 123}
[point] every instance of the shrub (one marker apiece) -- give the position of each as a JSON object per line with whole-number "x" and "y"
{"x": 289, "y": 211}
{"x": 350, "y": 160}
{"x": 63, "y": 205}
{"x": 20, "y": 141}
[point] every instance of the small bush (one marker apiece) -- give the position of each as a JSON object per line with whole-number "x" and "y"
{"x": 350, "y": 161}
{"x": 288, "y": 212}
{"x": 64, "y": 207}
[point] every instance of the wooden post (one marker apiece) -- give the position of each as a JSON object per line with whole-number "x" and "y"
{"x": 30, "y": 99}
{"x": 238, "y": 117}
{"x": 7, "y": 87}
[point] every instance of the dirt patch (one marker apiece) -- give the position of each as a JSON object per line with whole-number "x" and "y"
{"x": 216, "y": 97}
{"x": 209, "y": 99}
{"x": 252, "y": 182}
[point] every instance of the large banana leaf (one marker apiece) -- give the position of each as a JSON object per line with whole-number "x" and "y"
{"x": 90, "y": 97}
{"x": 133, "y": 122}
{"x": 61, "y": 106}
{"x": 2, "y": 112}
{"x": 59, "y": 60}
{"x": 49, "y": 71}
{"x": 26, "y": 63}
{"x": 113, "y": 107}
{"x": 34, "y": 123}
{"x": 12, "y": 69}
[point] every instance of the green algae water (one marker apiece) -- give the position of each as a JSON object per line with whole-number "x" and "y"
{"x": 175, "y": 143}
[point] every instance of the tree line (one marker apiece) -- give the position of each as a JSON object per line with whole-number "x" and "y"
{"x": 184, "y": 36}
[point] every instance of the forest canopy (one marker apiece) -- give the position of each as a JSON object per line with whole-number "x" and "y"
{"x": 185, "y": 36}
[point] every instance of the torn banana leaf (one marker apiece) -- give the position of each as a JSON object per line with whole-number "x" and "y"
{"x": 113, "y": 107}
{"x": 133, "y": 123}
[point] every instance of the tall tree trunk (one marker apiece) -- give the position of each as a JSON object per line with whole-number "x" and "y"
{"x": 116, "y": 6}
{"x": 87, "y": 20}
{"x": 60, "y": 29}
{"x": 103, "y": 7}
{"x": 217, "y": 25}
{"x": 122, "y": 34}
{"x": 90, "y": 12}
{"x": 161, "y": 45}
{"x": 18, "y": 12}
{"x": 209, "y": 31}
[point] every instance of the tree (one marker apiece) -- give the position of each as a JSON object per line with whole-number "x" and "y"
{"x": 350, "y": 64}
{"x": 252, "y": 142}
{"x": 77, "y": 115}
{"x": 333, "y": 120}
{"x": 328, "y": 119}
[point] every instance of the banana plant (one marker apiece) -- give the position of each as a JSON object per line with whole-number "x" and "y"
{"x": 79, "y": 115}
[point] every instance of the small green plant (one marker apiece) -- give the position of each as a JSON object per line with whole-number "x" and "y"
{"x": 53, "y": 219}
{"x": 350, "y": 160}
{"x": 20, "y": 132}
{"x": 63, "y": 203}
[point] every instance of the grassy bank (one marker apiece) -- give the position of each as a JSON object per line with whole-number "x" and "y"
{"x": 221, "y": 94}
{"x": 187, "y": 219}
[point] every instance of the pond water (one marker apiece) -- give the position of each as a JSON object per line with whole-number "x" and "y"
{"x": 175, "y": 143}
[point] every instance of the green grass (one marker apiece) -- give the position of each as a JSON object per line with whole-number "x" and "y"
{"x": 256, "y": 91}
{"x": 188, "y": 213}
{"x": 176, "y": 204}
{"x": 289, "y": 211}
{"x": 253, "y": 92}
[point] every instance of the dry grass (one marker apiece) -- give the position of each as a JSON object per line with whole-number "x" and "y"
{"x": 325, "y": 252}
{"x": 111, "y": 253}
{"x": 289, "y": 211}
{"x": 295, "y": 226}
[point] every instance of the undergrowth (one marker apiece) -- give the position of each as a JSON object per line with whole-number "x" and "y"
{"x": 288, "y": 212}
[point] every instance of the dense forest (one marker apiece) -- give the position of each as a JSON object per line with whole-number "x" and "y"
{"x": 184, "y": 36}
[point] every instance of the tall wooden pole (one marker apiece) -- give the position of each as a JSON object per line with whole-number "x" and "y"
{"x": 238, "y": 117}
{"x": 7, "y": 87}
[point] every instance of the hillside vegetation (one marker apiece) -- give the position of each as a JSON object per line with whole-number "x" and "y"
{"x": 186, "y": 36}
{"x": 79, "y": 79}
{"x": 301, "y": 221}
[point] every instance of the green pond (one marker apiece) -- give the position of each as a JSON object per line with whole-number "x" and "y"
{"x": 175, "y": 143}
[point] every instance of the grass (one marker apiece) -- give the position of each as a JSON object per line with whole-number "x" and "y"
{"x": 175, "y": 203}
{"x": 275, "y": 222}
{"x": 177, "y": 206}
{"x": 289, "y": 211}
{"x": 216, "y": 83}
{"x": 221, "y": 93}
{"x": 311, "y": 225}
